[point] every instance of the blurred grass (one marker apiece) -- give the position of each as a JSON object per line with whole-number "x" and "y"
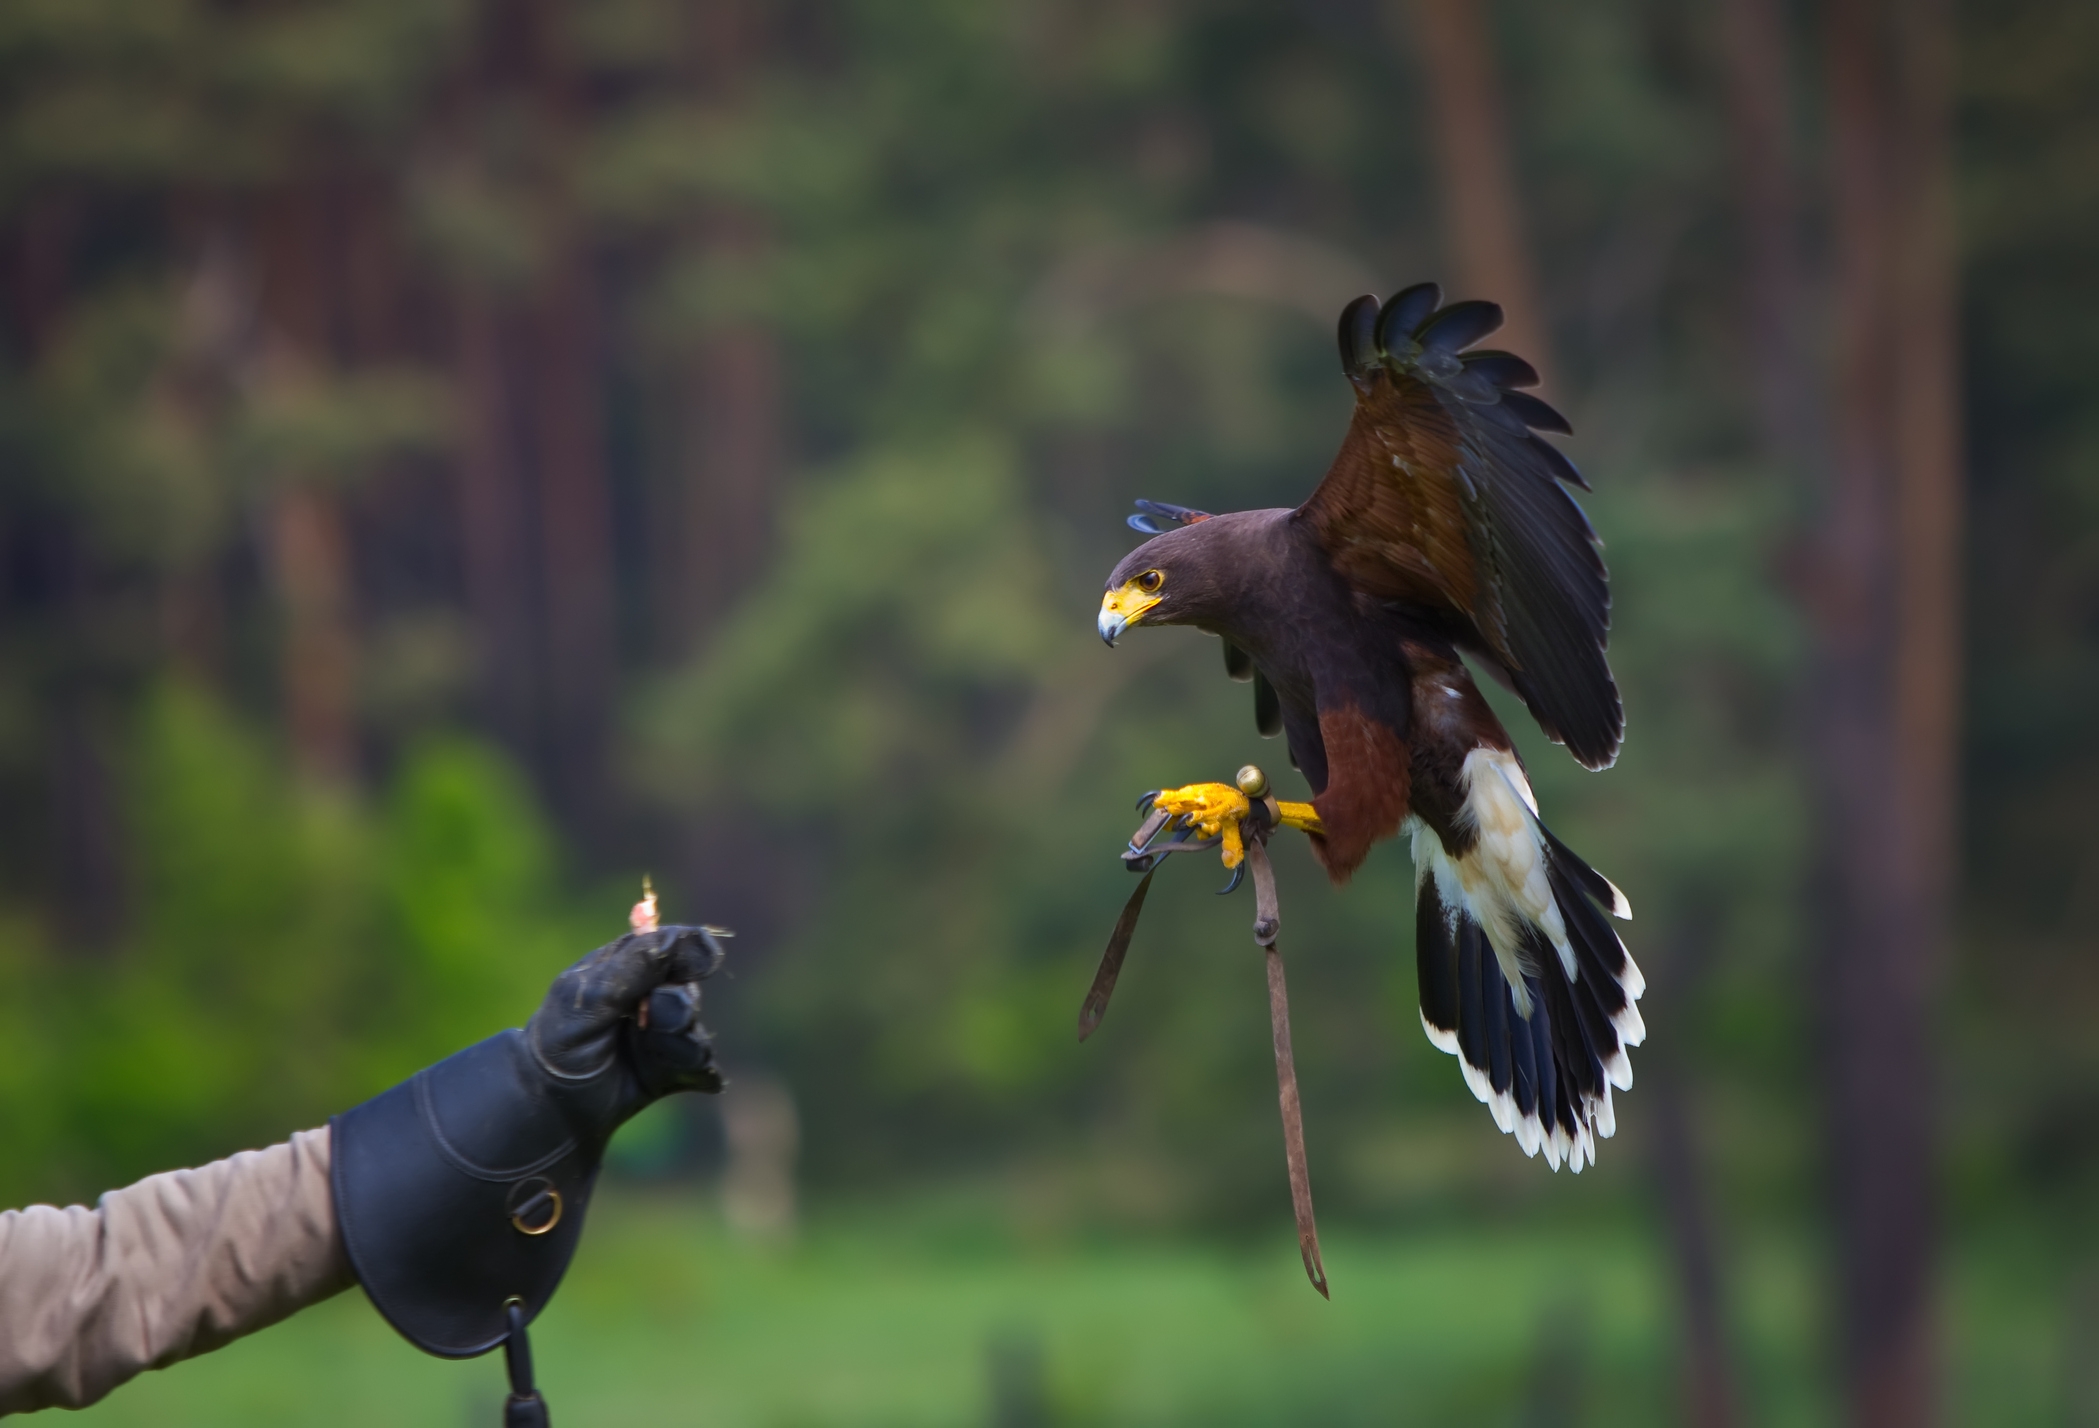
{"x": 894, "y": 1316}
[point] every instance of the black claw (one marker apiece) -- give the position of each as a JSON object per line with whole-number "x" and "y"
{"x": 1238, "y": 873}
{"x": 1145, "y": 801}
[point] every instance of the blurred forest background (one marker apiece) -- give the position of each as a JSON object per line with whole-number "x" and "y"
{"x": 458, "y": 455}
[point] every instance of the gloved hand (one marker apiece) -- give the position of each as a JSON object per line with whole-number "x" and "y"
{"x": 627, "y": 1019}
{"x": 464, "y": 1188}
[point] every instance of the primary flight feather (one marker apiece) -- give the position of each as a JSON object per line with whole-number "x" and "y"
{"x": 1443, "y": 529}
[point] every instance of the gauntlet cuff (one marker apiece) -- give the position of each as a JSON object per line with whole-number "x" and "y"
{"x": 463, "y": 1188}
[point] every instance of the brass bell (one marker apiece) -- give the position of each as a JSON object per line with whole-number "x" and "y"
{"x": 1252, "y": 782}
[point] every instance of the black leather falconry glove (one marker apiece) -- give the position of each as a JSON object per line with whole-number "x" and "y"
{"x": 463, "y": 1188}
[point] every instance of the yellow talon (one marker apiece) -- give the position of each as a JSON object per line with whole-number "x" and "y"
{"x": 1215, "y": 810}
{"x": 1208, "y": 808}
{"x": 1301, "y": 816}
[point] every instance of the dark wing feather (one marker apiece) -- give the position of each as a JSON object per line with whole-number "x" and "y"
{"x": 1534, "y": 413}
{"x": 1268, "y": 708}
{"x": 1444, "y": 497}
{"x": 1504, "y": 369}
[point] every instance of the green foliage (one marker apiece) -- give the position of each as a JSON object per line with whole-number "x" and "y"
{"x": 150, "y": 92}
{"x": 247, "y": 919}
{"x": 290, "y": 952}
{"x": 856, "y": 671}
{"x": 468, "y": 879}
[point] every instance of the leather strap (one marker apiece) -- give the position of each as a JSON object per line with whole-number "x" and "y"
{"x": 1268, "y": 910}
{"x": 524, "y": 1408}
{"x": 1096, "y": 1003}
{"x": 1293, "y": 1122}
{"x": 1262, "y": 821}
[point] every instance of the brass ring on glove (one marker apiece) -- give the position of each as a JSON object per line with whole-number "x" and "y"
{"x": 542, "y": 1194}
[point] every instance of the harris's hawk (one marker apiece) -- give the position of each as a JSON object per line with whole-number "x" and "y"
{"x": 1444, "y": 529}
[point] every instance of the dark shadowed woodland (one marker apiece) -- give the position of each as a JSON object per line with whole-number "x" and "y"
{"x": 457, "y": 456}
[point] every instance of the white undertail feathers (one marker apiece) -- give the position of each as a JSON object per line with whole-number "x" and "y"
{"x": 1530, "y": 899}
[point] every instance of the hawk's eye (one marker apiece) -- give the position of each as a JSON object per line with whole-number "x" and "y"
{"x": 1150, "y": 581}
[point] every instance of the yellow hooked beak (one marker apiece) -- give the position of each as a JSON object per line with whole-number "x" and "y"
{"x": 1123, "y": 608}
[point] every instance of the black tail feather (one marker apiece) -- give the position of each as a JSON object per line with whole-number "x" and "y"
{"x": 1551, "y": 1101}
{"x": 1548, "y": 1076}
{"x": 1523, "y": 1054}
{"x": 1496, "y": 1003}
{"x": 1599, "y": 888}
{"x": 1436, "y": 963}
{"x": 1473, "y": 952}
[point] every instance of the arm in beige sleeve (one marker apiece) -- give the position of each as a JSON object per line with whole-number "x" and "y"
{"x": 171, "y": 1267}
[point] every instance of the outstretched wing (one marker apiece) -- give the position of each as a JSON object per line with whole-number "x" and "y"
{"x": 1444, "y": 496}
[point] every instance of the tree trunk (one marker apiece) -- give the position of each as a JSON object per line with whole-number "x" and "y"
{"x": 1927, "y": 450}
{"x": 87, "y": 805}
{"x": 730, "y": 494}
{"x": 1757, "y": 87}
{"x": 39, "y": 269}
{"x": 575, "y": 527}
{"x": 1885, "y": 686}
{"x": 494, "y": 527}
{"x": 1710, "y": 1393}
{"x": 575, "y": 500}
{"x": 1483, "y": 233}
{"x": 734, "y": 431}
{"x": 309, "y": 549}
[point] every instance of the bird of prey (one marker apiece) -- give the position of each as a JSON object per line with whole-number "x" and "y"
{"x": 1443, "y": 531}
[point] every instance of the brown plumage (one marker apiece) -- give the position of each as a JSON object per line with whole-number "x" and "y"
{"x": 1443, "y": 530}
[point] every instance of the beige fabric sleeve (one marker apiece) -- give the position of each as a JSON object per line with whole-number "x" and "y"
{"x": 171, "y": 1267}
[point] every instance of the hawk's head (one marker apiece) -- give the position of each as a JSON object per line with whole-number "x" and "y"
{"x": 1182, "y": 576}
